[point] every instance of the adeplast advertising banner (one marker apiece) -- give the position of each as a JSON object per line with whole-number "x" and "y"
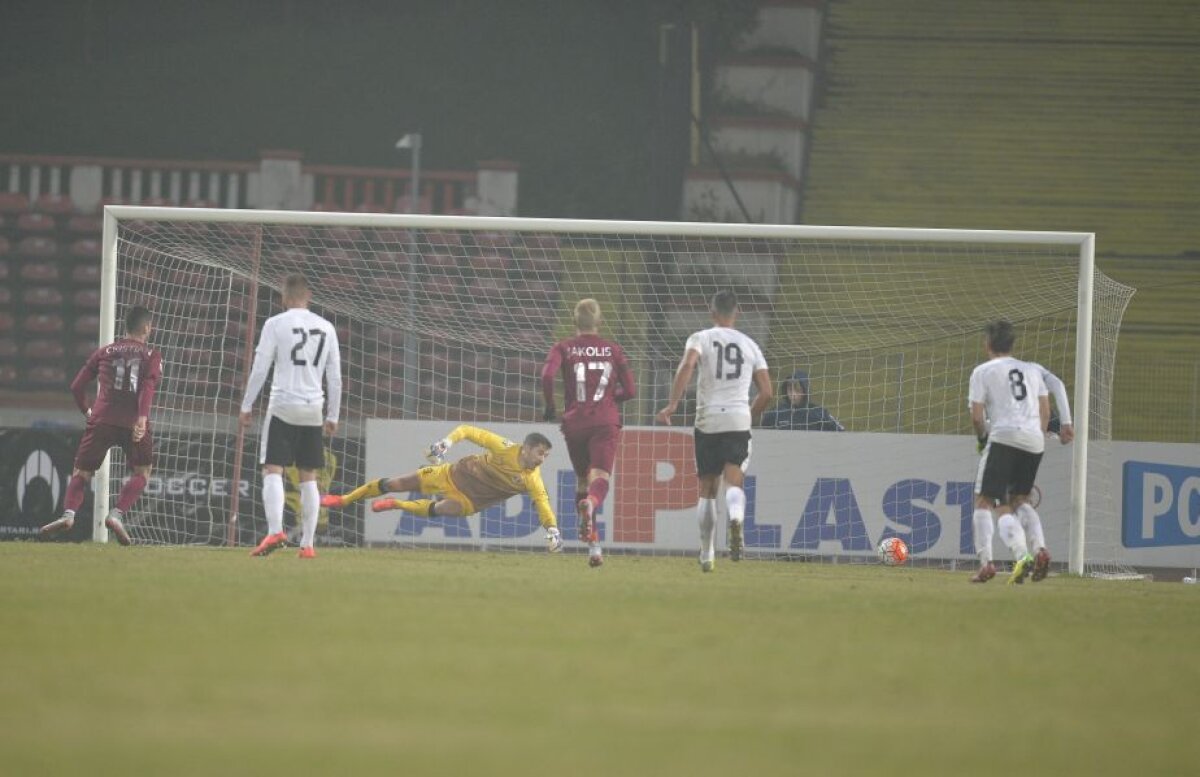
{"x": 811, "y": 493}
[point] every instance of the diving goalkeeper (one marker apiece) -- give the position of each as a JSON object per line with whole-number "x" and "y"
{"x": 471, "y": 484}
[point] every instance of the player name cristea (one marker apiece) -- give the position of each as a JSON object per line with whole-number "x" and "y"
{"x": 591, "y": 351}
{"x": 122, "y": 347}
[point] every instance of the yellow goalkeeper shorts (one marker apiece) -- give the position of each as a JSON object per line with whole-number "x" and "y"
{"x": 436, "y": 480}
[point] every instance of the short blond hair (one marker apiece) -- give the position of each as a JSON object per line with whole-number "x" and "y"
{"x": 587, "y": 314}
{"x": 295, "y": 286}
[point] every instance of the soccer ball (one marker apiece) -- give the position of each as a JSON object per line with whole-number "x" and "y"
{"x": 893, "y": 551}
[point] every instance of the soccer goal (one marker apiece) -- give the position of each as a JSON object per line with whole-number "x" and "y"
{"x": 446, "y": 320}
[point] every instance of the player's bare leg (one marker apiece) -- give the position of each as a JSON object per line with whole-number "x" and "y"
{"x": 76, "y": 489}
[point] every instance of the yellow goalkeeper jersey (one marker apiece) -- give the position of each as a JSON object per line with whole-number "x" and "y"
{"x": 490, "y": 478}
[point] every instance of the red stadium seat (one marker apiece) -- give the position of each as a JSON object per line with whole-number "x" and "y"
{"x": 7, "y": 322}
{"x": 87, "y": 299}
{"x": 338, "y": 283}
{"x": 5, "y": 245}
{"x": 40, "y": 272}
{"x": 490, "y": 264}
{"x": 490, "y": 290}
{"x": 8, "y": 348}
{"x": 45, "y": 324}
{"x": 447, "y": 239}
{"x": 86, "y": 248}
{"x": 340, "y": 257}
{"x": 86, "y": 274}
{"x": 392, "y": 262}
{"x": 343, "y": 237}
{"x": 39, "y": 246}
{"x": 397, "y": 238}
{"x": 42, "y": 297}
{"x": 88, "y": 325}
{"x": 56, "y": 204}
{"x": 6, "y": 296}
{"x": 496, "y": 241}
{"x": 85, "y": 225}
{"x": 82, "y": 349}
{"x": 477, "y": 390}
{"x": 13, "y": 202}
{"x": 36, "y": 223}
{"x": 439, "y": 288}
{"x": 45, "y": 376}
{"x": 440, "y": 263}
{"x": 10, "y": 377}
{"x": 424, "y": 205}
{"x": 43, "y": 350}
{"x": 201, "y": 203}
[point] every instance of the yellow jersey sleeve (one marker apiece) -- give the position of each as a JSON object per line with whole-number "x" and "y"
{"x": 481, "y": 437}
{"x": 540, "y": 499}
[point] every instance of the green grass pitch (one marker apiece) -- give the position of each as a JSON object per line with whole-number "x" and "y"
{"x": 131, "y": 661}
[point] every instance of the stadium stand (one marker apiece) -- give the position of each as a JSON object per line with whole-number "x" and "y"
{"x": 1049, "y": 115}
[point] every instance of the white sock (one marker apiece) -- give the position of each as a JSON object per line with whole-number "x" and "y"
{"x": 310, "y": 509}
{"x": 272, "y": 496}
{"x": 983, "y": 535}
{"x": 1031, "y": 522}
{"x": 735, "y": 500}
{"x": 706, "y": 513}
{"x": 1013, "y": 535}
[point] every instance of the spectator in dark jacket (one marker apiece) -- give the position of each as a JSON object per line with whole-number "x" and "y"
{"x": 795, "y": 411}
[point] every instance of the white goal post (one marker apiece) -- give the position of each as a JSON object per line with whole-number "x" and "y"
{"x": 855, "y": 307}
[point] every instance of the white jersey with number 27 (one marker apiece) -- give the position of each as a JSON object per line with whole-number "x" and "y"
{"x": 728, "y": 361}
{"x": 1008, "y": 389}
{"x": 303, "y": 347}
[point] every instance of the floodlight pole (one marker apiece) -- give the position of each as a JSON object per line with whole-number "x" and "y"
{"x": 411, "y": 141}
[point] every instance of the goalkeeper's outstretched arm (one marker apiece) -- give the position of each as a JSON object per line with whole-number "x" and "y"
{"x": 481, "y": 437}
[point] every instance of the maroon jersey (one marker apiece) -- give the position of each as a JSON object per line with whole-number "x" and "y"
{"x": 596, "y": 376}
{"x": 127, "y": 373}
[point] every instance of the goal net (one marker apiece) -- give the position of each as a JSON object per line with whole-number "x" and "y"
{"x": 446, "y": 320}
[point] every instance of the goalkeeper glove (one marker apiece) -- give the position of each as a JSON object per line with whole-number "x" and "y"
{"x": 437, "y": 452}
{"x": 981, "y": 443}
{"x": 553, "y": 540}
{"x": 549, "y": 414}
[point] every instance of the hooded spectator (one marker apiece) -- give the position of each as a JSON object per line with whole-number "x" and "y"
{"x": 796, "y": 411}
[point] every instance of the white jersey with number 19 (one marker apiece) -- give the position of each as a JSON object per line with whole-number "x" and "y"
{"x": 1008, "y": 389}
{"x": 728, "y": 361}
{"x": 303, "y": 346}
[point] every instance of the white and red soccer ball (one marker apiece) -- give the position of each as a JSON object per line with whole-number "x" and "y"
{"x": 893, "y": 552}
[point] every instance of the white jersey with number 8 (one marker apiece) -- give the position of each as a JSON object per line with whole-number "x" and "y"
{"x": 1008, "y": 389}
{"x": 728, "y": 361}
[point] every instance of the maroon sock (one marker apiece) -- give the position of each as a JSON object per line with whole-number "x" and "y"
{"x": 130, "y": 492}
{"x": 76, "y": 488}
{"x": 597, "y": 491}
